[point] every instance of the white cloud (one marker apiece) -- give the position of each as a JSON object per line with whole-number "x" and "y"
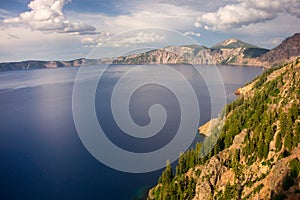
{"x": 194, "y": 5}
{"x": 97, "y": 40}
{"x": 191, "y": 33}
{"x": 282, "y": 26}
{"x": 105, "y": 34}
{"x": 87, "y": 40}
{"x": 255, "y": 21}
{"x": 197, "y": 24}
{"x": 147, "y": 14}
{"x": 35, "y": 45}
{"x": 47, "y": 16}
{"x": 135, "y": 39}
{"x": 246, "y": 12}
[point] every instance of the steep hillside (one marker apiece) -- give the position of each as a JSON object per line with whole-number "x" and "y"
{"x": 234, "y": 51}
{"x": 287, "y": 51}
{"x": 257, "y": 155}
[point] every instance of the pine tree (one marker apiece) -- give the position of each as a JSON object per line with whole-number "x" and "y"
{"x": 167, "y": 174}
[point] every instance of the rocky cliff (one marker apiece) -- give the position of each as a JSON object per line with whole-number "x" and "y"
{"x": 287, "y": 51}
{"x": 257, "y": 155}
{"x": 159, "y": 56}
{"x": 230, "y": 51}
{"x": 26, "y": 65}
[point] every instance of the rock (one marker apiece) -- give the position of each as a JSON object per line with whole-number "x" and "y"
{"x": 245, "y": 89}
{"x": 210, "y": 175}
{"x": 206, "y": 128}
{"x": 238, "y": 140}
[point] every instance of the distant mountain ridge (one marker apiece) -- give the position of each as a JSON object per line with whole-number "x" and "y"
{"x": 32, "y": 64}
{"x": 231, "y": 51}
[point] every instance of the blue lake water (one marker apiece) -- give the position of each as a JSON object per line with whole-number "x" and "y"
{"x": 41, "y": 155}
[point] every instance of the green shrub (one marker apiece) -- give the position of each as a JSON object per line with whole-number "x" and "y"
{"x": 288, "y": 182}
{"x": 279, "y": 197}
{"x": 295, "y": 167}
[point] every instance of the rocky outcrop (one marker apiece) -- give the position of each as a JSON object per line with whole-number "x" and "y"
{"x": 245, "y": 89}
{"x": 205, "y": 129}
{"x": 215, "y": 176}
{"x": 211, "y": 174}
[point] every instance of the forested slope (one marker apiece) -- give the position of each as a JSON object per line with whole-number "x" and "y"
{"x": 257, "y": 155}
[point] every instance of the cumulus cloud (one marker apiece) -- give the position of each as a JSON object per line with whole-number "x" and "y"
{"x": 97, "y": 40}
{"x": 90, "y": 42}
{"x": 87, "y": 40}
{"x": 105, "y": 34}
{"x": 191, "y": 33}
{"x": 246, "y": 12}
{"x": 47, "y": 16}
{"x": 136, "y": 39}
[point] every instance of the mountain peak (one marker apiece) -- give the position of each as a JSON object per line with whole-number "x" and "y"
{"x": 230, "y": 41}
{"x": 233, "y": 43}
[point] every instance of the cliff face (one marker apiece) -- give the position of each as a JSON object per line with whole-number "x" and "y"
{"x": 232, "y": 51}
{"x": 257, "y": 155}
{"x": 193, "y": 54}
{"x": 40, "y": 64}
{"x": 227, "y": 52}
{"x": 287, "y": 51}
{"x": 158, "y": 56}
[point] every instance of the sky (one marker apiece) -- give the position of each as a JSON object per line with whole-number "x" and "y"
{"x": 70, "y": 29}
